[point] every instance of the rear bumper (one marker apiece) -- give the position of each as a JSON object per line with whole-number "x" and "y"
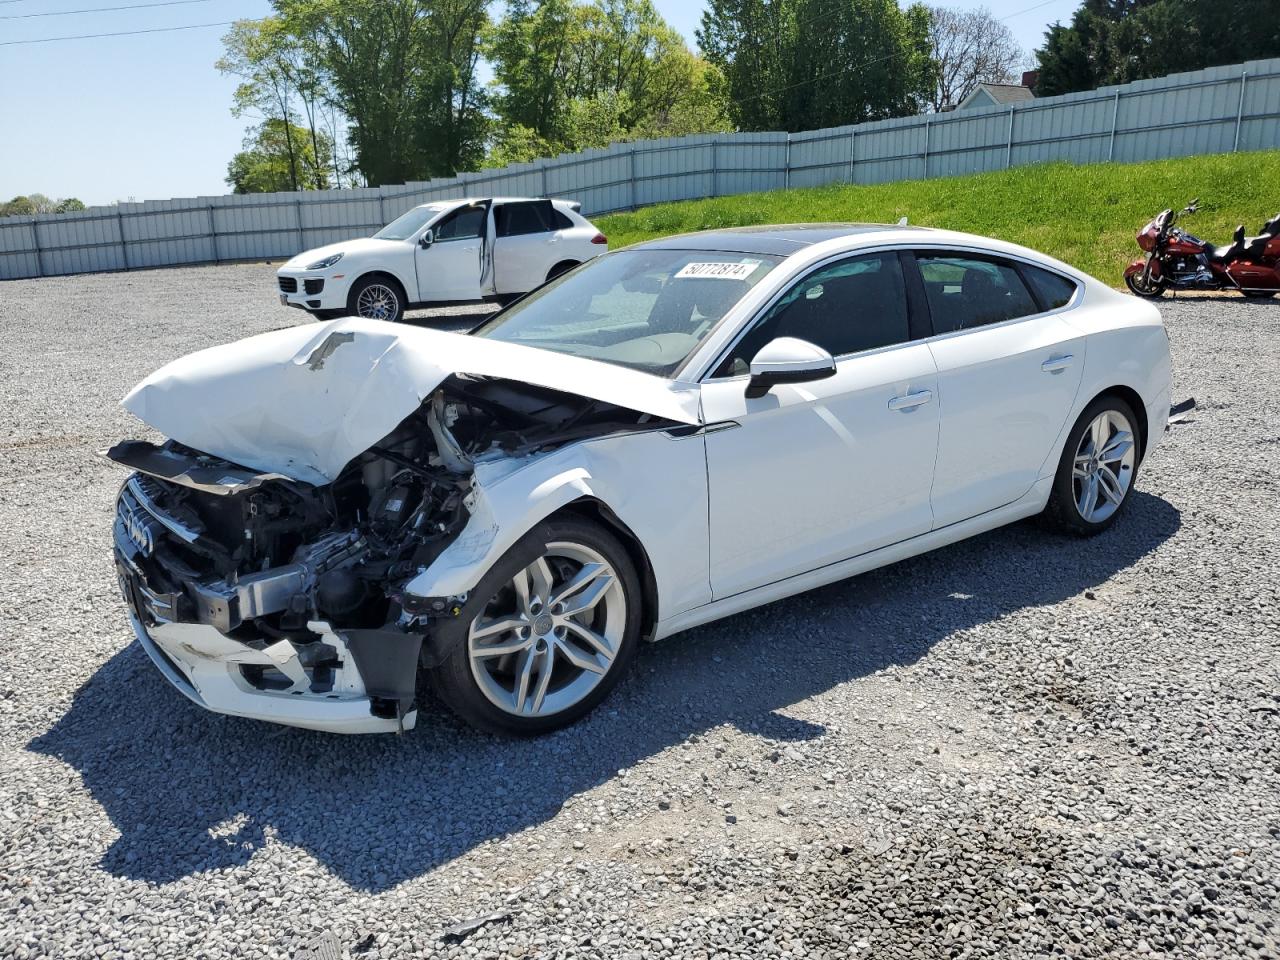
{"x": 1157, "y": 421}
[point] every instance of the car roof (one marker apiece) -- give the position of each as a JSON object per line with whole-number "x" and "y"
{"x": 779, "y": 239}
{"x": 463, "y": 201}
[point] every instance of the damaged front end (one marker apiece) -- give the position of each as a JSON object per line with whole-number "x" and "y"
{"x": 258, "y": 594}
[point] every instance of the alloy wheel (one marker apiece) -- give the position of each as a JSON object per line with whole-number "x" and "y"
{"x": 377, "y": 301}
{"x": 1103, "y": 469}
{"x": 549, "y": 637}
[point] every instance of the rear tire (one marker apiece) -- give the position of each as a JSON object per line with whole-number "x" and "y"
{"x": 1097, "y": 469}
{"x": 376, "y": 297}
{"x": 1260, "y": 294}
{"x": 545, "y": 635}
{"x": 564, "y": 266}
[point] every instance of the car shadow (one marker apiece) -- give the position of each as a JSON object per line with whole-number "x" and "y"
{"x": 190, "y": 792}
{"x": 1199, "y": 297}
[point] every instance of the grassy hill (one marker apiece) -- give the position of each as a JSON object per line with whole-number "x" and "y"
{"x": 1085, "y": 215}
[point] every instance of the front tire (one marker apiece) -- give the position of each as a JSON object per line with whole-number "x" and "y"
{"x": 376, "y": 298}
{"x": 1097, "y": 469}
{"x": 1152, "y": 290}
{"x": 546, "y": 634}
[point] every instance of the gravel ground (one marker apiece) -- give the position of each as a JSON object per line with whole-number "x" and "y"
{"x": 1017, "y": 746}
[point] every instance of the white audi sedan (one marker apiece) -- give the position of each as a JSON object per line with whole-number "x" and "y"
{"x": 452, "y": 251}
{"x": 671, "y": 434}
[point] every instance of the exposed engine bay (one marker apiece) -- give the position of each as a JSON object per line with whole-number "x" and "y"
{"x": 265, "y": 559}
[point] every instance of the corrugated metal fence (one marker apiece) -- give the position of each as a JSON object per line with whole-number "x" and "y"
{"x": 1217, "y": 110}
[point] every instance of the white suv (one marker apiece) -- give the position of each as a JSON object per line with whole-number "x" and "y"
{"x": 450, "y": 251}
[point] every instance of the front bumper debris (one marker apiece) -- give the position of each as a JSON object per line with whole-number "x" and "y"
{"x": 359, "y": 681}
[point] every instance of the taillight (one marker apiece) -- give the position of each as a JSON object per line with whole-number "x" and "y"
{"x": 600, "y": 238}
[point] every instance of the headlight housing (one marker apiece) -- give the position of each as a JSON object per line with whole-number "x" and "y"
{"x": 326, "y": 263}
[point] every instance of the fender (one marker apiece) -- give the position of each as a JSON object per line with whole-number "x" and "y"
{"x": 1137, "y": 266}
{"x": 630, "y": 473}
{"x": 1139, "y": 351}
{"x": 496, "y": 524}
{"x": 410, "y": 288}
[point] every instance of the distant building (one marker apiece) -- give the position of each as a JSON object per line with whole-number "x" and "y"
{"x": 995, "y": 95}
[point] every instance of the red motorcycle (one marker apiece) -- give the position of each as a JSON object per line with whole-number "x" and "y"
{"x": 1177, "y": 260}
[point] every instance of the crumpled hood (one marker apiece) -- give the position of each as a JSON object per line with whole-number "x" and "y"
{"x": 358, "y": 245}
{"x": 305, "y": 400}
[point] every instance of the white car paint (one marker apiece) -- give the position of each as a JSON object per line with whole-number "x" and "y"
{"x": 904, "y": 449}
{"x": 304, "y": 400}
{"x": 449, "y": 270}
{"x": 834, "y": 442}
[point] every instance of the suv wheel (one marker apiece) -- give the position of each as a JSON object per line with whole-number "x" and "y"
{"x": 376, "y": 298}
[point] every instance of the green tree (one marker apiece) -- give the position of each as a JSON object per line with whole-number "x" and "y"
{"x": 276, "y": 157}
{"x": 531, "y": 49}
{"x": 577, "y": 75}
{"x": 263, "y": 53}
{"x": 516, "y": 143}
{"x": 404, "y": 74}
{"x": 33, "y": 203}
{"x": 1117, "y": 41}
{"x": 804, "y": 64}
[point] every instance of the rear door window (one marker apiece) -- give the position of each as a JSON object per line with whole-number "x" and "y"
{"x": 966, "y": 291}
{"x": 519, "y": 219}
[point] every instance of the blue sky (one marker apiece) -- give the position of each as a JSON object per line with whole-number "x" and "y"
{"x": 148, "y": 117}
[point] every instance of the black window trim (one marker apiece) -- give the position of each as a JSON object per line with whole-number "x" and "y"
{"x": 486, "y": 206}
{"x": 1016, "y": 263}
{"x": 550, "y": 205}
{"x": 916, "y": 327}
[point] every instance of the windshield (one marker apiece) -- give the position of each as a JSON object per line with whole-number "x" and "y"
{"x": 406, "y": 225}
{"x": 644, "y": 309}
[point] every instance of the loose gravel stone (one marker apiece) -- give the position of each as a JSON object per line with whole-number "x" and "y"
{"x": 1018, "y": 746}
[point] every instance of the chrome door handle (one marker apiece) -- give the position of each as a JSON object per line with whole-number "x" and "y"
{"x": 909, "y": 401}
{"x": 1055, "y": 364}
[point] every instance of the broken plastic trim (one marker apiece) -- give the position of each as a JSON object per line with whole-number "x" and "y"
{"x": 222, "y": 480}
{"x": 1181, "y": 412}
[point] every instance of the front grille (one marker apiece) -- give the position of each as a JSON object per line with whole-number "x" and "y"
{"x": 313, "y": 286}
{"x": 288, "y": 284}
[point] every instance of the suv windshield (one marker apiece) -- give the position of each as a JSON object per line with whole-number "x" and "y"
{"x": 407, "y": 224}
{"x": 644, "y": 309}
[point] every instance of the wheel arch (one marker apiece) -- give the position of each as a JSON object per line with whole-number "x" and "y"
{"x": 560, "y": 267}
{"x": 382, "y": 274}
{"x": 595, "y": 510}
{"x": 1131, "y": 397}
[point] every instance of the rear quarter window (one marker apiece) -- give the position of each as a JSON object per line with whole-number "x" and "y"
{"x": 1053, "y": 289}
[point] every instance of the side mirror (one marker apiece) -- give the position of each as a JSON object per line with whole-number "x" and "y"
{"x": 788, "y": 360}
{"x": 427, "y": 239}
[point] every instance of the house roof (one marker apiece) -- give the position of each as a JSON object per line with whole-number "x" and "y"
{"x": 999, "y": 93}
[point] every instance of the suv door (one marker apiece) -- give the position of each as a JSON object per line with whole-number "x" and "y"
{"x": 1009, "y": 367}
{"x": 814, "y": 473}
{"x": 452, "y": 268}
{"x": 525, "y": 245}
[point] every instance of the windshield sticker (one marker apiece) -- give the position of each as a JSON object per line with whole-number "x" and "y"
{"x": 718, "y": 271}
